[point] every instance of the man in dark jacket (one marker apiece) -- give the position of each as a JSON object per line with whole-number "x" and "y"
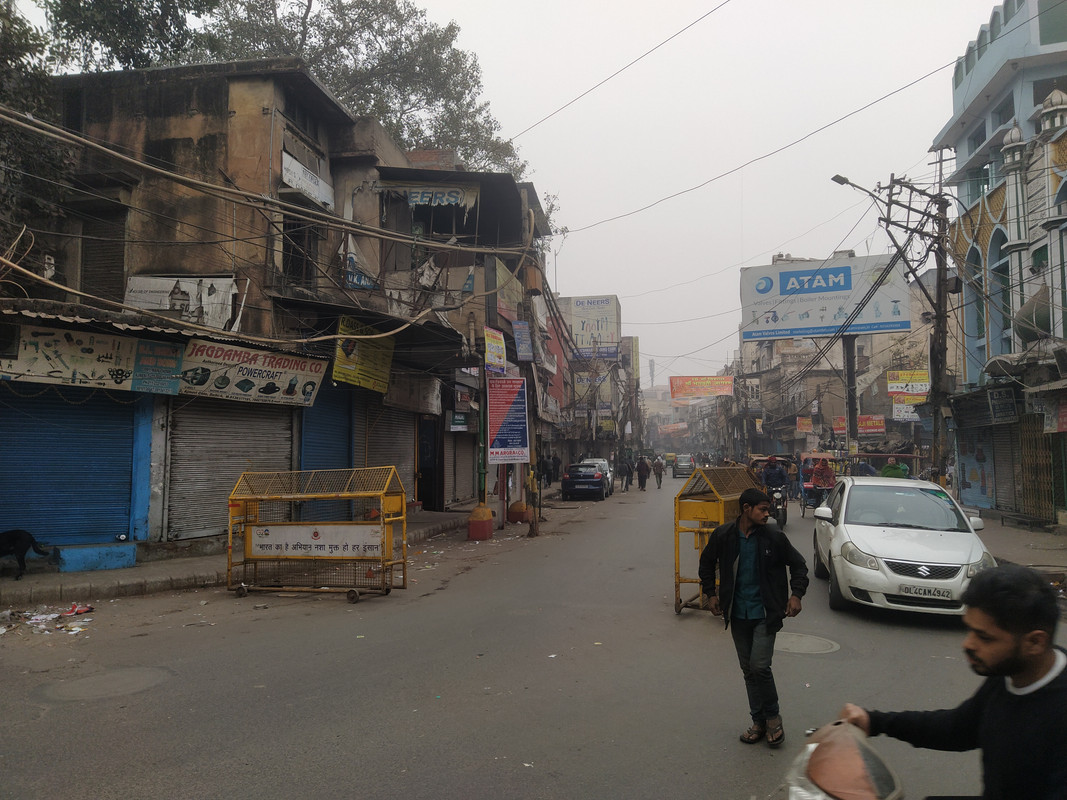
{"x": 754, "y": 596}
{"x": 1016, "y": 716}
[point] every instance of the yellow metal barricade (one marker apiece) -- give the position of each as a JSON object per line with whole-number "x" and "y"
{"x": 334, "y": 530}
{"x": 708, "y": 499}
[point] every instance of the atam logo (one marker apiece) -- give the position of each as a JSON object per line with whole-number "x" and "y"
{"x": 816, "y": 281}
{"x": 764, "y": 285}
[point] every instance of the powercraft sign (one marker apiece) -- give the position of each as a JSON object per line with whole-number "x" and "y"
{"x": 793, "y": 299}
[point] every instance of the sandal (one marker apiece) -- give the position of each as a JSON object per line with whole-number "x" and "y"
{"x": 754, "y": 733}
{"x": 775, "y": 732}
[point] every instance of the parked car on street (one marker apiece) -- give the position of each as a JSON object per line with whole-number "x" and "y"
{"x": 896, "y": 543}
{"x": 583, "y": 478}
{"x": 605, "y": 467}
{"x": 684, "y": 465}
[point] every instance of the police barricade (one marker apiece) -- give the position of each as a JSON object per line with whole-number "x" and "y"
{"x": 336, "y": 530}
{"x": 709, "y": 498}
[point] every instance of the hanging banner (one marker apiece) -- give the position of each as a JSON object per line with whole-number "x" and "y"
{"x": 362, "y": 362}
{"x": 702, "y": 386}
{"x": 496, "y": 362}
{"x": 509, "y": 431}
{"x": 523, "y": 340}
{"x": 804, "y": 425}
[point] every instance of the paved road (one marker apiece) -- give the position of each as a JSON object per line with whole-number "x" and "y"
{"x": 517, "y": 668}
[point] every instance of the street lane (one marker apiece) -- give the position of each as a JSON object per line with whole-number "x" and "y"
{"x": 527, "y": 668}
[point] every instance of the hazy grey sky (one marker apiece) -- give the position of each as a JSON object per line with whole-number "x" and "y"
{"x": 750, "y": 78}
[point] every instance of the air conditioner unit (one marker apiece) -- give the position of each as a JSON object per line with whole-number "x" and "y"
{"x": 1060, "y": 354}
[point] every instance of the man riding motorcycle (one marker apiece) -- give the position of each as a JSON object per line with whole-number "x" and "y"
{"x": 776, "y": 479}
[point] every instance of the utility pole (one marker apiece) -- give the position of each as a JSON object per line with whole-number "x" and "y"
{"x": 939, "y": 338}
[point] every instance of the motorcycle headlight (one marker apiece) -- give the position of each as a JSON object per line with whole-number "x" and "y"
{"x": 853, "y": 555}
{"x": 986, "y": 562}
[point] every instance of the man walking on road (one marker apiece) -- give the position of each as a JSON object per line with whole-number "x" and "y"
{"x": 643, "y": 469}
{"x": 1016, "y": 716}
{"x": 658, "y": 466}
{"x": 754, "y": 596}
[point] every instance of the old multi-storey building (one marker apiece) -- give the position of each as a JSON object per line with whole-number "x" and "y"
{"x": 247, "y": 277}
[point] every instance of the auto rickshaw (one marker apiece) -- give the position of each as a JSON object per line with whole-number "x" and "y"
{"x": 812, "y": 496}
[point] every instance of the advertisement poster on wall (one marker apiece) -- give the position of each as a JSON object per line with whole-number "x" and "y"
{"x": 509, "y": 432}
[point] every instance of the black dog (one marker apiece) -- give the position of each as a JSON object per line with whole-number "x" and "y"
{"x": 17, "y": 543}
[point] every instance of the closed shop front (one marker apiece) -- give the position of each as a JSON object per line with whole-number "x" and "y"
{"x": 391, "y": 438}
{"x": 211, "y": 443}
{"x": 460, "y": 464}
{"x": 69, "y": 457}
{"x": 974, "y": 451}
{"x": 1006, "y": 466}
{"x": 326, "y": 436}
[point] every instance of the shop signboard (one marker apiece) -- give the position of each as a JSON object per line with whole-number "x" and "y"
{"x": 870, "y": 425}
{"x": 804, "y": 425}
{"x": 1002, "y": 407}
{"x": 226, "y": 372}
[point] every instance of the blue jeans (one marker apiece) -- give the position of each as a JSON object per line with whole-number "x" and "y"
{"x": 755, "y": 647}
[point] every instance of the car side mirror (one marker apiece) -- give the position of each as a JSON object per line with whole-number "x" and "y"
{"x": 824, "y": 513}
{"x": 977, "y": 523}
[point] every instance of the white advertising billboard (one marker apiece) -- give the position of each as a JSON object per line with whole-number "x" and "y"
{"x": 793, "y": 299}
{"x": 595, "y": 324}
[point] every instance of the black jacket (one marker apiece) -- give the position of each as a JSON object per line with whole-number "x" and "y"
{"x": 774, "y": 555}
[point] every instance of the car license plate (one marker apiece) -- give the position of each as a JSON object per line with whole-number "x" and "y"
{"x": 925, "y": 591}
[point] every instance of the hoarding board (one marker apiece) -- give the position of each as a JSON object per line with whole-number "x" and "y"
{"x": 907, "y": 381}
{"x": 804, "y": 425}
{"x": 509, "y": 431}
{"x": 595, "y": 323}
{"x": 870, "y": 425}
{"x": 496, "y": 355}
{"x": 793, "y": 299}
{"x": 702, "y": 386}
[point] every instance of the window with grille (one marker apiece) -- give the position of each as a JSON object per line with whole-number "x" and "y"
{"x": 300, "y": 252}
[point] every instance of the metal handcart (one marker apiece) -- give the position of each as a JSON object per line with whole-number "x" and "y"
{"x": 335, "y": 530}
{"x": 709, "y": 498}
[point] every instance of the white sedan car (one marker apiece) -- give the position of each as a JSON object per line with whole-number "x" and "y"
{"x": 896, "y": 543}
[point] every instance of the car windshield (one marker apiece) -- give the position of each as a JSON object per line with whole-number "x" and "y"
{"x": 920, "y": 507}
{"x": 582, "y": 469}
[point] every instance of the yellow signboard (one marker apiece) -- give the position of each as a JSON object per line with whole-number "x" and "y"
{"x": 362, "y": 362}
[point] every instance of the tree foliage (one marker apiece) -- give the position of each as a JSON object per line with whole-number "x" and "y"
{"x": 32, "y": 169}
{"x": 382, "y": 58}
{"x": 132, "y": 34}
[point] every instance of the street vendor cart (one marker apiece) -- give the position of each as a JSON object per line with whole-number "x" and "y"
{"x": 336, "y": 530}
{"x": 709, "y": 498}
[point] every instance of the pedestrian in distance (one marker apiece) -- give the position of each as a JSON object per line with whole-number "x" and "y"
{"x": 627, "y": 472}
{"x": 761, "y": 580}
{"x": 557, "y": 462}
{"x": 643, "y": 468}
{"x": 1016, "y": 716}
{"x": 892, "y": 469}
{"x": 658, "y": 468}
{"x": 794, "y": 480}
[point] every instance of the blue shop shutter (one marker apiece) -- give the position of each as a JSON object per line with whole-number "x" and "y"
{"x": 66, "y": 463}
{"x": 326, "y": 439}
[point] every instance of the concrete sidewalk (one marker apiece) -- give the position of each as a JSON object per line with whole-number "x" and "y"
{"x": 1042, "y": 550}
{"x": 167, "y": 574}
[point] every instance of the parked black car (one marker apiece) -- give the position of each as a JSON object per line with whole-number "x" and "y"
{"x": 583, "y": 478}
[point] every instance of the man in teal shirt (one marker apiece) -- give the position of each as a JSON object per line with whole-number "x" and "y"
{"x": 754, "y": 596}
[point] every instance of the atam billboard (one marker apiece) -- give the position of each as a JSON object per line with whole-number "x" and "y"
{"x": 793, "y": 299}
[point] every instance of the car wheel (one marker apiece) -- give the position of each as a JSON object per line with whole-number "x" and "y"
{"x": 837, "y": 599}
{"x": 564, "y": 496}
{"x": 820, "y": 568}
{"x": 602, "y": 494}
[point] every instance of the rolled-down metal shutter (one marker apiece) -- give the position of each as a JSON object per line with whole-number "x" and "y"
{"x": 1006, "y": 466}
{"x": 391, "y": 441}
{"x": 466, "y": 464}
{"x": 450, "y": 467}
{"x": 1036, "y": 489}
{"x": 66, "y": 463}
{"x": 326, "y": 435}
{"x": 211, "y": 443}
